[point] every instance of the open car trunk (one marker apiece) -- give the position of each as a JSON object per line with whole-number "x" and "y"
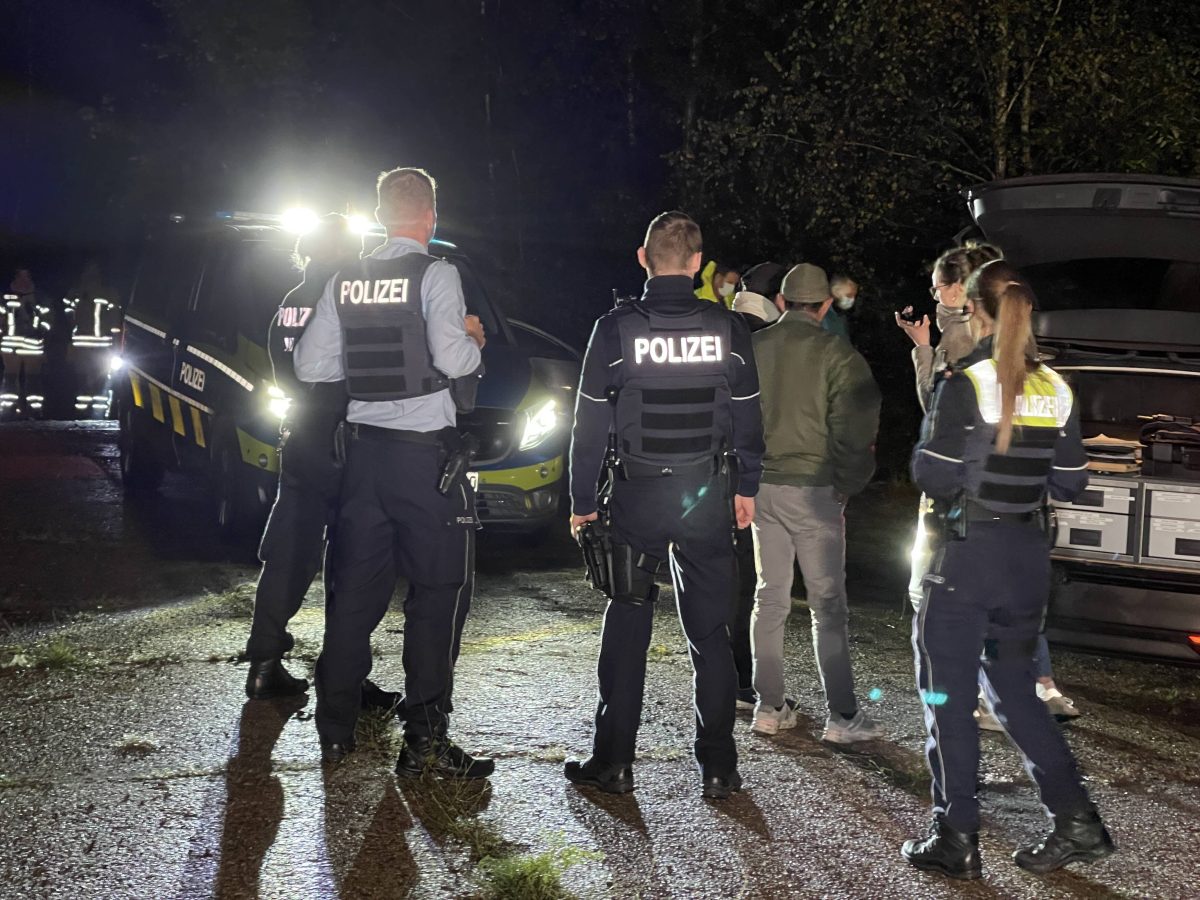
{"x": 1115, "y": 263}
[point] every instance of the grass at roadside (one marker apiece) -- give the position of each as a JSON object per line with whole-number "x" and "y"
{"x": 56, "y": 653}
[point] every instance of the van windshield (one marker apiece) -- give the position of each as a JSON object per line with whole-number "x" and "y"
{"x": 1116, "y": 283}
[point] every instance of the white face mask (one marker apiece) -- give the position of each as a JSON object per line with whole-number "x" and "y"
{"x": 844, "y": 302}
{"x": 725, "y": 290}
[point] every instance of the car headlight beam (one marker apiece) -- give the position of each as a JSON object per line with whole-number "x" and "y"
{"x": 541, "y": 421}
{"x": 299, "y": 220}
{"x": 278, "y": 402}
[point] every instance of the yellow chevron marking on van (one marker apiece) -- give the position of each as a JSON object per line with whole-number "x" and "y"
{"x": 135, "y": 384}
{"x": 176, "y": 416}
{"x": 198, "y": 427}
{"x": 156, "y": 406}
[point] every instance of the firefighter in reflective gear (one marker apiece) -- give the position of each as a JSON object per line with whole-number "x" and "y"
{"x": 395, "y": 328}
{"x": 1003, "y": 433}
{"x": 309, "y": 478}
{"x": 686, "y": 391}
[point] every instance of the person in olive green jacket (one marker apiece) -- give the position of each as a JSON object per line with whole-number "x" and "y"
{"x": 820, "y": 409}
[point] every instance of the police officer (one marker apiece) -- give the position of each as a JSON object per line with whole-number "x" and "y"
{"x": 394, "y": 326}
{"x": 309, "y": 478}
{"x": 685, "y": 387}
{"x": 1002, "y": 433}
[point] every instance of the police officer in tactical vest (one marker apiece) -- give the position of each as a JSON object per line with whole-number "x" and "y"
{"x": 1002, "y": 436}
{"x": 309, "y": 476}
{"x": 394, "y": 326}
{"x": 308, "y": 479}
{"x": 673, "y": 379}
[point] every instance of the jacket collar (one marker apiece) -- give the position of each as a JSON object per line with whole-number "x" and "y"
{"x": 982, "y": 351}
{"x": 794, "y": 317}
{"x": 668, "y": 287}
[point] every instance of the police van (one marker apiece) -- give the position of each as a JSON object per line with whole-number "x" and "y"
{"x": 194, "y": 389}
{"x": 1115, "y": 263}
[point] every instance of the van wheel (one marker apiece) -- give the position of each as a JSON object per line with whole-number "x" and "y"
{"x": 235, "y": 511}
{"x": 141, "y": 470}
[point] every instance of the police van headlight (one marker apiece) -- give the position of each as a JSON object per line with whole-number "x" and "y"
{"x": 541, "y": 421}
{"x": 278, "y": 402}
{"x": 360, "y": 224}
{"x": 299, "y": 220}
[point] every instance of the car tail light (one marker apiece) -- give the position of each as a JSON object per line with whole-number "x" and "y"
{"x": 1194, "y": 641}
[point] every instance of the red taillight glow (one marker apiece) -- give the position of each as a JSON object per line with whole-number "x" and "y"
{"x": 1194, "y": 640}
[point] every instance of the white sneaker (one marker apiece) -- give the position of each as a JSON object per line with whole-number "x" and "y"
{"x": 1059, "y": 706}
{"x": 768, "y": 720}
{"x": 985, "y": 718}
{"x": 839, "y": 730}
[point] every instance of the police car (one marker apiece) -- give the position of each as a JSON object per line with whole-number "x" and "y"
{"x": 194, "y": 389}
{"x": 1115, "y": 263}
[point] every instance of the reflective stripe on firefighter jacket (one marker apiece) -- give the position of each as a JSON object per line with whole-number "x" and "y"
{"x": 385, "y": 353}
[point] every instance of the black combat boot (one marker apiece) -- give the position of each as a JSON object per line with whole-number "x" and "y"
{"x": 610, "y": 778}
{"x": 440, "y": 757}
{"x": 375, "y": 697}
{"x": 946, "y": 850}
{"x": 1078, "y": 838}
{"x": 334, "y": 752}
{"x": 719, "y": 787}
{"x": 268, "y": 678}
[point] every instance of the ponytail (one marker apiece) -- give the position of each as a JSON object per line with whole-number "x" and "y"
{"x": 1014, "y": 351}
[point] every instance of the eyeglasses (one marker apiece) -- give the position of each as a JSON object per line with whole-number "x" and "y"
{"x": 933, "y": 291}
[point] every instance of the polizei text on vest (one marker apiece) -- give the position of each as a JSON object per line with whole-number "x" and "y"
{"x": 380, "y": 290}
{"x": 687, "y": 349}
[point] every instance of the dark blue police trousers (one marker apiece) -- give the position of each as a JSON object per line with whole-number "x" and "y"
{"x": 393, "y": 522}
{"x": 986, "y": 595}
{"x": 292, "y": 544}
{"x": 685, "y": 522}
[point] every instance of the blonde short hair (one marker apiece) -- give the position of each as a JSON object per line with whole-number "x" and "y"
{"x": 404, "y": 196}
{"x": 671, "y": 241}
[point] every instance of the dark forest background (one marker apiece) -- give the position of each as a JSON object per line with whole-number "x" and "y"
{"x": 830, "y": 130}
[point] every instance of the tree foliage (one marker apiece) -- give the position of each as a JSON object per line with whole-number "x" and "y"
{"x": 872, "y": 117}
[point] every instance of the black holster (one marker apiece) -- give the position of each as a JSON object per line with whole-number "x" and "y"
{"x": 595, "y": 542}
{"x": 633, "y": 575}
{"x": 947, "y": 521}
{"x": 614, "y": 568}
{"x": 460, "y": 449}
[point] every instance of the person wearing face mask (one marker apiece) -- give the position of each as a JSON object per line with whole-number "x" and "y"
{"x": 1001, "y": 439}
{"x": 759, "y": 305}
{"x": 949, "y": 277}
{"x": 845, "y": 292}
{"x": 718, "y": 282}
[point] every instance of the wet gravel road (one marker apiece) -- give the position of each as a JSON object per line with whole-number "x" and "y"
{"x": 131, "y": 767}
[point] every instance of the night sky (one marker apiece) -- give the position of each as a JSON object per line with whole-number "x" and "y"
{"x": 120, "y": 111}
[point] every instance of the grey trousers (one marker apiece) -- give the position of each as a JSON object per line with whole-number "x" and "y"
{"x": 807, "y": 524}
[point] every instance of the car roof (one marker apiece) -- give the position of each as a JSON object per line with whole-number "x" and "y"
{"x": 1053, "y": 218}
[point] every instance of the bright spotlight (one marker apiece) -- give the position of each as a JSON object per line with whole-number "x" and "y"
{"x": 360, "y": 224}
{"x": 299, "y": 220}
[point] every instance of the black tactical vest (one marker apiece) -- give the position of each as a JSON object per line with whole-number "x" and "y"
{"x": 673, "y": 406}
{"x": 292, "y": 317}
{"x": 385, "y": 353}
{"x": 1016, "y": 481}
